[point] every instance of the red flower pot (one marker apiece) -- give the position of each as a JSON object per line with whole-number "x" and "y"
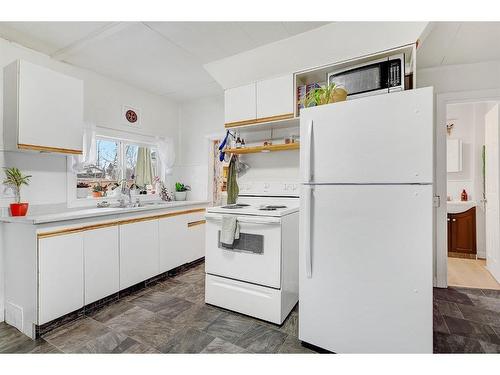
{"x": 18, "y": 209}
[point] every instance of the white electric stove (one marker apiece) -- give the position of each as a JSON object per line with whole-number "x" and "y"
{"x": 259, "y": 276}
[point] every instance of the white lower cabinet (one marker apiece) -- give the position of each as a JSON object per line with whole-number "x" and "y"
{"x": 139, "y": 252}
{"x": 101, "y": 249}
{"x": 77, "y": 269}
{"x": 182, "y": 240}
{"x": 196, "y": 236}
{"x": 172, "y": 234}
{"x": 60, "y": 277}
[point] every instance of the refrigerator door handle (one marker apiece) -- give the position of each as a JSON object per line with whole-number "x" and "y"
{"x": 307, "y": 230}
{"x": 308, "y": 161}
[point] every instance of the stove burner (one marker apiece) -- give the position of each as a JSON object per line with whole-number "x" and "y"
{"x": 235, "y": 206}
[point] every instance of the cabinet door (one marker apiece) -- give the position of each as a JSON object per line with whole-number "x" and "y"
{"x": 139, "y": 252}
{"x": 275, "y": 97}
{"x": 50, "y": 108}
{"x": 196, "y": 236}
{"x": 60, "y": 266}
{"x": 102, "y": 267}
{"x": 463, "y": 232}
{"x": 173, "y": 245}
{"x": 240, "y": 103}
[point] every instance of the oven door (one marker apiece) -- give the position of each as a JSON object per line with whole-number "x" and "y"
{"x": 256, "y": 257}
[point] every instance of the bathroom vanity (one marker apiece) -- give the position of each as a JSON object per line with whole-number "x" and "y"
{"x": 462, "y": 230}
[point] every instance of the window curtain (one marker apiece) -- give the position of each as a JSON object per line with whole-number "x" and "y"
{"x": 143, "y": 168}
{"x": 89, "y": 155}
{"x": 166, "y": 156}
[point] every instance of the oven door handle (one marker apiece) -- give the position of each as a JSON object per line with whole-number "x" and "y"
{"x": 246, "y": 219}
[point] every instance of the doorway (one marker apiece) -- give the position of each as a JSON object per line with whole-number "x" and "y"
{"x": 472, "y": 207}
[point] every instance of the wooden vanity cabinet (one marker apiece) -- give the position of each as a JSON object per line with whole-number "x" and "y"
{"x": 462, "y": 234}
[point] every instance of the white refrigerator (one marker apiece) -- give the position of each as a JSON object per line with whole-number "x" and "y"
{"x": 366, "y": 246}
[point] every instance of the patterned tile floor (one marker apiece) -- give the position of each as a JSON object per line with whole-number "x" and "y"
{"x": 171, "y": 317}
{"x": 466, "y": 320}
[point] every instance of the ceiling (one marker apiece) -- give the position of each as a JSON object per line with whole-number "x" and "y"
{"x": 451, "y": 43}
{"x": 166, "y": 58}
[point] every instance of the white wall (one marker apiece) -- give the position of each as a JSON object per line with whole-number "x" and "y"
{"x": 460, "y": 81}
{"x": 469, "y": 126}
{"x": 334, "y": 42}
{"x": 199, "y": 120}
{"x": 203, "y": 119}
{"x": 463, "y": 129}
{"x": 103, "y": 105}
{"x": 103, "y": 100}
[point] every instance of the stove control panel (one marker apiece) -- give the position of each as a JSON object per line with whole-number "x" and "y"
{"x": 269, "y": 188}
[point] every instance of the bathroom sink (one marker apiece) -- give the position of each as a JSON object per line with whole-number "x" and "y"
{"x": 455, "y": 207}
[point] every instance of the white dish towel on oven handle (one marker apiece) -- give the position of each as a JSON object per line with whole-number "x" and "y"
{"x": 230, "y": 231}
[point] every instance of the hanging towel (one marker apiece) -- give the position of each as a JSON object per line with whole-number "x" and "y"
{"x": 230, "y": 231}
{"x": 232, "y": 184}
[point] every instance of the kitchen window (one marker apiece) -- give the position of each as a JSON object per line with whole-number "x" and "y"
{"x": 114, "y": 162}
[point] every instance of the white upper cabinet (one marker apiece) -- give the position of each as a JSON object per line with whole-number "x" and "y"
{"x": 271, "y": 99}
{"x": 43, "y": 109}
{"x": 275, "y": 97}
{"x": 240, "y": 104}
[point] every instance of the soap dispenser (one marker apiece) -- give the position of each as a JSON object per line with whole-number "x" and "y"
{"x": 463, "y": 196}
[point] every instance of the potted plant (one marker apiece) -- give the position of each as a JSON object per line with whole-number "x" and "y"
{"x": 181, "y": 191}
{"x": 98, "y": 190}
{"x": 15, "y": 179}
{"x": 82, "y": 190}
{"x": 331, "y": 93}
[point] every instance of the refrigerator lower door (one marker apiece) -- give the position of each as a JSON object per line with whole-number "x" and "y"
{"x": 369, "y": 288}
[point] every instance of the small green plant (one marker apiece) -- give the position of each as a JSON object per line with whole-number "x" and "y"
{"x": 324, "y": 95}
{"x": 181, "y": 187}
{"x": 98, "y": 187}
{"x": 14, "y": 178}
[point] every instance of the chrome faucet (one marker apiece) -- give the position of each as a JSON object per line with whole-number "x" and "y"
{"x": 125, "y": 191}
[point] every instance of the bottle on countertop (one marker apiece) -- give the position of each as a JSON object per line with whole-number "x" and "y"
{"x": 464, "y": 197}
{"x": 242, "y": 143}
{"x": 238, "y": 142}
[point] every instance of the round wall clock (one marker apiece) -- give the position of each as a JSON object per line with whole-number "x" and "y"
{"x": 131, "y": 116}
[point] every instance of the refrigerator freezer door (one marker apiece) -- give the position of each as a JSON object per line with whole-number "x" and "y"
{"x": 377, "y": 139}
{"x": 370, "y": 289}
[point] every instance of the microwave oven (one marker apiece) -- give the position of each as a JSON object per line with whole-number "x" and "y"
{"x": 374, "y": 77}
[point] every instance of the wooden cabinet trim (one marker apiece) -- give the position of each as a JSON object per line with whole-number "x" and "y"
{"x": 194, "y": 223}
{"x": 285, "y": 116}
{"x": 23, "y": 146}
{"x": 117, "y": 222}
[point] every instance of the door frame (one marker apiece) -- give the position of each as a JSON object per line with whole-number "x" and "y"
{"x": 440, "y": 178}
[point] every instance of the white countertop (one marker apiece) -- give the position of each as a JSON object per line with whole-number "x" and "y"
{"x": 80, "y": 213}
{"x": 456, "y": 207}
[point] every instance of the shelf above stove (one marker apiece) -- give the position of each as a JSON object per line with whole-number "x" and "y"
{"x": 257, "y": 149}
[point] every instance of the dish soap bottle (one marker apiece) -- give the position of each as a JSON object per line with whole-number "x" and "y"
{"x": 463, "y": 196}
